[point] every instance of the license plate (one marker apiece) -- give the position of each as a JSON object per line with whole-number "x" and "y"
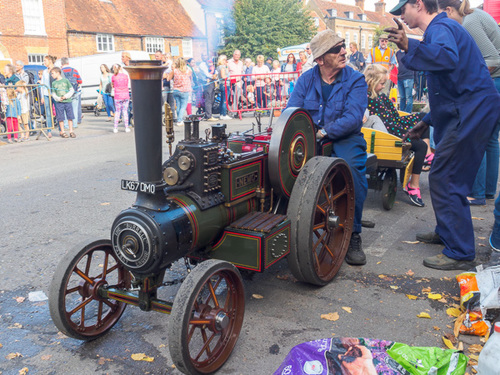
{"x": 143, "y": 187}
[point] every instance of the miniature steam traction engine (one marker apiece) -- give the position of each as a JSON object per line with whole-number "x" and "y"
{"x": 223, "y": 203}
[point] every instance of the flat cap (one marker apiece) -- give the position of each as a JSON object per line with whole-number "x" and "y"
{"x": 323, "y": 41}
{"x": 383, "y": 36}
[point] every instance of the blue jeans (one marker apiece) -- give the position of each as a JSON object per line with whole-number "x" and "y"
{"x": 353, "y": 150}
{"x": 223, "y": 105}
{"x": 485, "y": 184}
{"x": 181, "y": 102}
{"x": 48, "y": 112}
{"x": 405, "y": 88}
{"x": 109, "y": 103}
{"x": 74, "y": 104}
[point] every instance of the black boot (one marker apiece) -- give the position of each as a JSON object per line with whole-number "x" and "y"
{"x": 355, "y": 255}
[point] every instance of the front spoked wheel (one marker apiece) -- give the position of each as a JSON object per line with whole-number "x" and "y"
{"x": 75, "y": 304}
{"x": 206, "y": 317}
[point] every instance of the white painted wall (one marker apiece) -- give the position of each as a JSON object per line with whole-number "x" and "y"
{"x": 195, "y": 12}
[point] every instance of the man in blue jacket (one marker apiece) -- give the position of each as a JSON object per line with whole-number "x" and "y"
{"x": 465, "y": 107}
{"x": 336, "y": 97}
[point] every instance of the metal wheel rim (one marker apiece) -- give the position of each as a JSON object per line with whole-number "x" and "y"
{"x": 88, "y": 289}
{"x": 327, "y": 258}
{"x": 203, "y": 322}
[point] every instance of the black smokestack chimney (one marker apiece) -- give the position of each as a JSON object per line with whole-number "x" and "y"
{"x": 146, "y": 79}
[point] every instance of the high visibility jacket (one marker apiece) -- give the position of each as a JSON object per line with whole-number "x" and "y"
{"x": 385, "y": 59}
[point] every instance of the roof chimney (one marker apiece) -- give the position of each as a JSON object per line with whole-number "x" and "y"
{"x": 361, "y": 4}
{"x": 380, "y": 7}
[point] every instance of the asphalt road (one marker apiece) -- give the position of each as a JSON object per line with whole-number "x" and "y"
{"x": 59, "y": 195}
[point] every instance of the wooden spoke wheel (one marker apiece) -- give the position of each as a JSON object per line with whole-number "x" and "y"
{"x": 321, "y": 211}
{"x": 206, "y": 317}
{"x": 75, "y": 305}
{"x": 389, "y": 188}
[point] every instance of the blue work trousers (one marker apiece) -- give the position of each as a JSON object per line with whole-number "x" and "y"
{"x": 353, "y": 150}
{"x": 405, "y": 88}
{"x": 460, "y": 146}
{"x": 485, "y": 184}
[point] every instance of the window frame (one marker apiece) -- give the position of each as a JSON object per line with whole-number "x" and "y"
{"x": 154, "y": 43}
{"x": 36, "y": 58}
{"x": 187, "y": 52}
{"x": 33, "y": 19}
{"x": 110, "y": 39}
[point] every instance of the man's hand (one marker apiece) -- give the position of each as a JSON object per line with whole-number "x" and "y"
{"x": 417, "y": 131}
{"x": 398, "y": 36}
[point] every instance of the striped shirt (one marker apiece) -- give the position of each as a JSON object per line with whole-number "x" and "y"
{"x": 486, "y": 33}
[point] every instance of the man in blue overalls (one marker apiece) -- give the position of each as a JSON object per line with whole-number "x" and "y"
{"x": 465, "y": 107}
{"x": 336, "y": 97}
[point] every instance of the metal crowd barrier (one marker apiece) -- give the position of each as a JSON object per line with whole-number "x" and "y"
{"x": 263, "y": 92}
{"x": 36, "y": 121}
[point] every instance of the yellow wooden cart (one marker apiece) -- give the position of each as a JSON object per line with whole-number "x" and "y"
{"x": 392, "y": 154}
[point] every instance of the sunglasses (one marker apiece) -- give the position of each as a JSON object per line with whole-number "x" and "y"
{"x": 336, "y": 49}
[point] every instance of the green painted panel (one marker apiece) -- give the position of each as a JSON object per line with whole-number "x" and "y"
{"x": 277, "y": 244}
{"x": 242, "y": 248}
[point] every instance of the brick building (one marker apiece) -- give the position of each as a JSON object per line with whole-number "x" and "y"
{"x": 31, "y": 29}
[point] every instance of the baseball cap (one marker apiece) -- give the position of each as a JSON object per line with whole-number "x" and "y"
{"x": 397, "y": 9}
{"x": 323, "y": 41}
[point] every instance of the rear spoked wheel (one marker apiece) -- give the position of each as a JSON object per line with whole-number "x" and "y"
{"x": 321, "y": 211}
{"x": 206, "y": 317}
{"x": 76, "y": 307}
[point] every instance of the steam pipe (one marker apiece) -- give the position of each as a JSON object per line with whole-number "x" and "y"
{"x": 146, "y": 79}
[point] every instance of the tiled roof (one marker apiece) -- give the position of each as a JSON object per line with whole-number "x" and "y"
{"x": 133, "y": 17}
{"x": 341, "y": 9}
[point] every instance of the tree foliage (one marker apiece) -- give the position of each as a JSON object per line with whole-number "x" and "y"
{"x": 261, "y": 26}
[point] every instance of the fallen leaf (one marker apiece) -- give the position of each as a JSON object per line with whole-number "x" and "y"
{"x": 284, "y": 277}
{"x": 424, "y": 315}
{"x": 15, "y": 325}
{"x": 348, "y": 309}
{"x": 458, "y": 324}
{"x": 454, "y": 312}
{"x": 105, "y": 204}
{"x": 477, "y": 218}
{"x": 61, "y": 335}
{"x": 448, "y": 343}
{"x": 1, "y": 345}
{"x": 20, "y": 299}
{"x": 481, "y": 238}
{"x": 426, "y": 290}
{"x": 257, "y": 296}
{"x": 142, "y": 357}
{"x": 436, "y": 328}
{"x": 446, "y": 278}
{"x": 382, "y": 276}
{"x": 394, "y": 287}
{"x": 472, "y": 362}
{"x": 162, "y": 346}
{"x": 434, "y": 296}
{"x": 475, "y": 348}
{"x": 474, "y": 357}
{"x": 75, "y": 191}
{"x": 442, "y": 300}
{"x": 410, "y": 273}
{"x": 450, "y": 337}
{"x": 13, "y": 355}
{"x": 128, "y": 163}
{"x": 411, "y": 242}
{"x": 379, "y": 262}
{"x": 173, "y": 366}
{"x": 23, "y": 371}
{"x": 46, "y": 357}
{"x": 411, "y": 296}
{"x": 103, "y": 360}
{"x": 331, "y": 316}
{"x": 460, "y": 346}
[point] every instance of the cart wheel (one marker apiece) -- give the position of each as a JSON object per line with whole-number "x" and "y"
{"x": 75, "y": 305}
{"x": 321, "y": 211}
{"x": 207, "y": 316}
{"x": 389, "y": 188}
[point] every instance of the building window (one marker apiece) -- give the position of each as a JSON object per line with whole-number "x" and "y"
{"x": 347, "y": 38}
{"x": 363, "y": 41}
{"x": 316, "y": 22}
{"x": 349, "y": 14}
{"x": 34, "y": 58}
{"x": 332, "y": 12}
{"x": 105, "y": 43}
{"x": 339, "y": 34}
{"x": 187, "y": 48}
{"x": 220, "y": 29}
{"x": 370, "y": 41}
{"x": 356, "y": 37}
{"x": 34, "y": 23}
{"x": 154, "y": 44}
